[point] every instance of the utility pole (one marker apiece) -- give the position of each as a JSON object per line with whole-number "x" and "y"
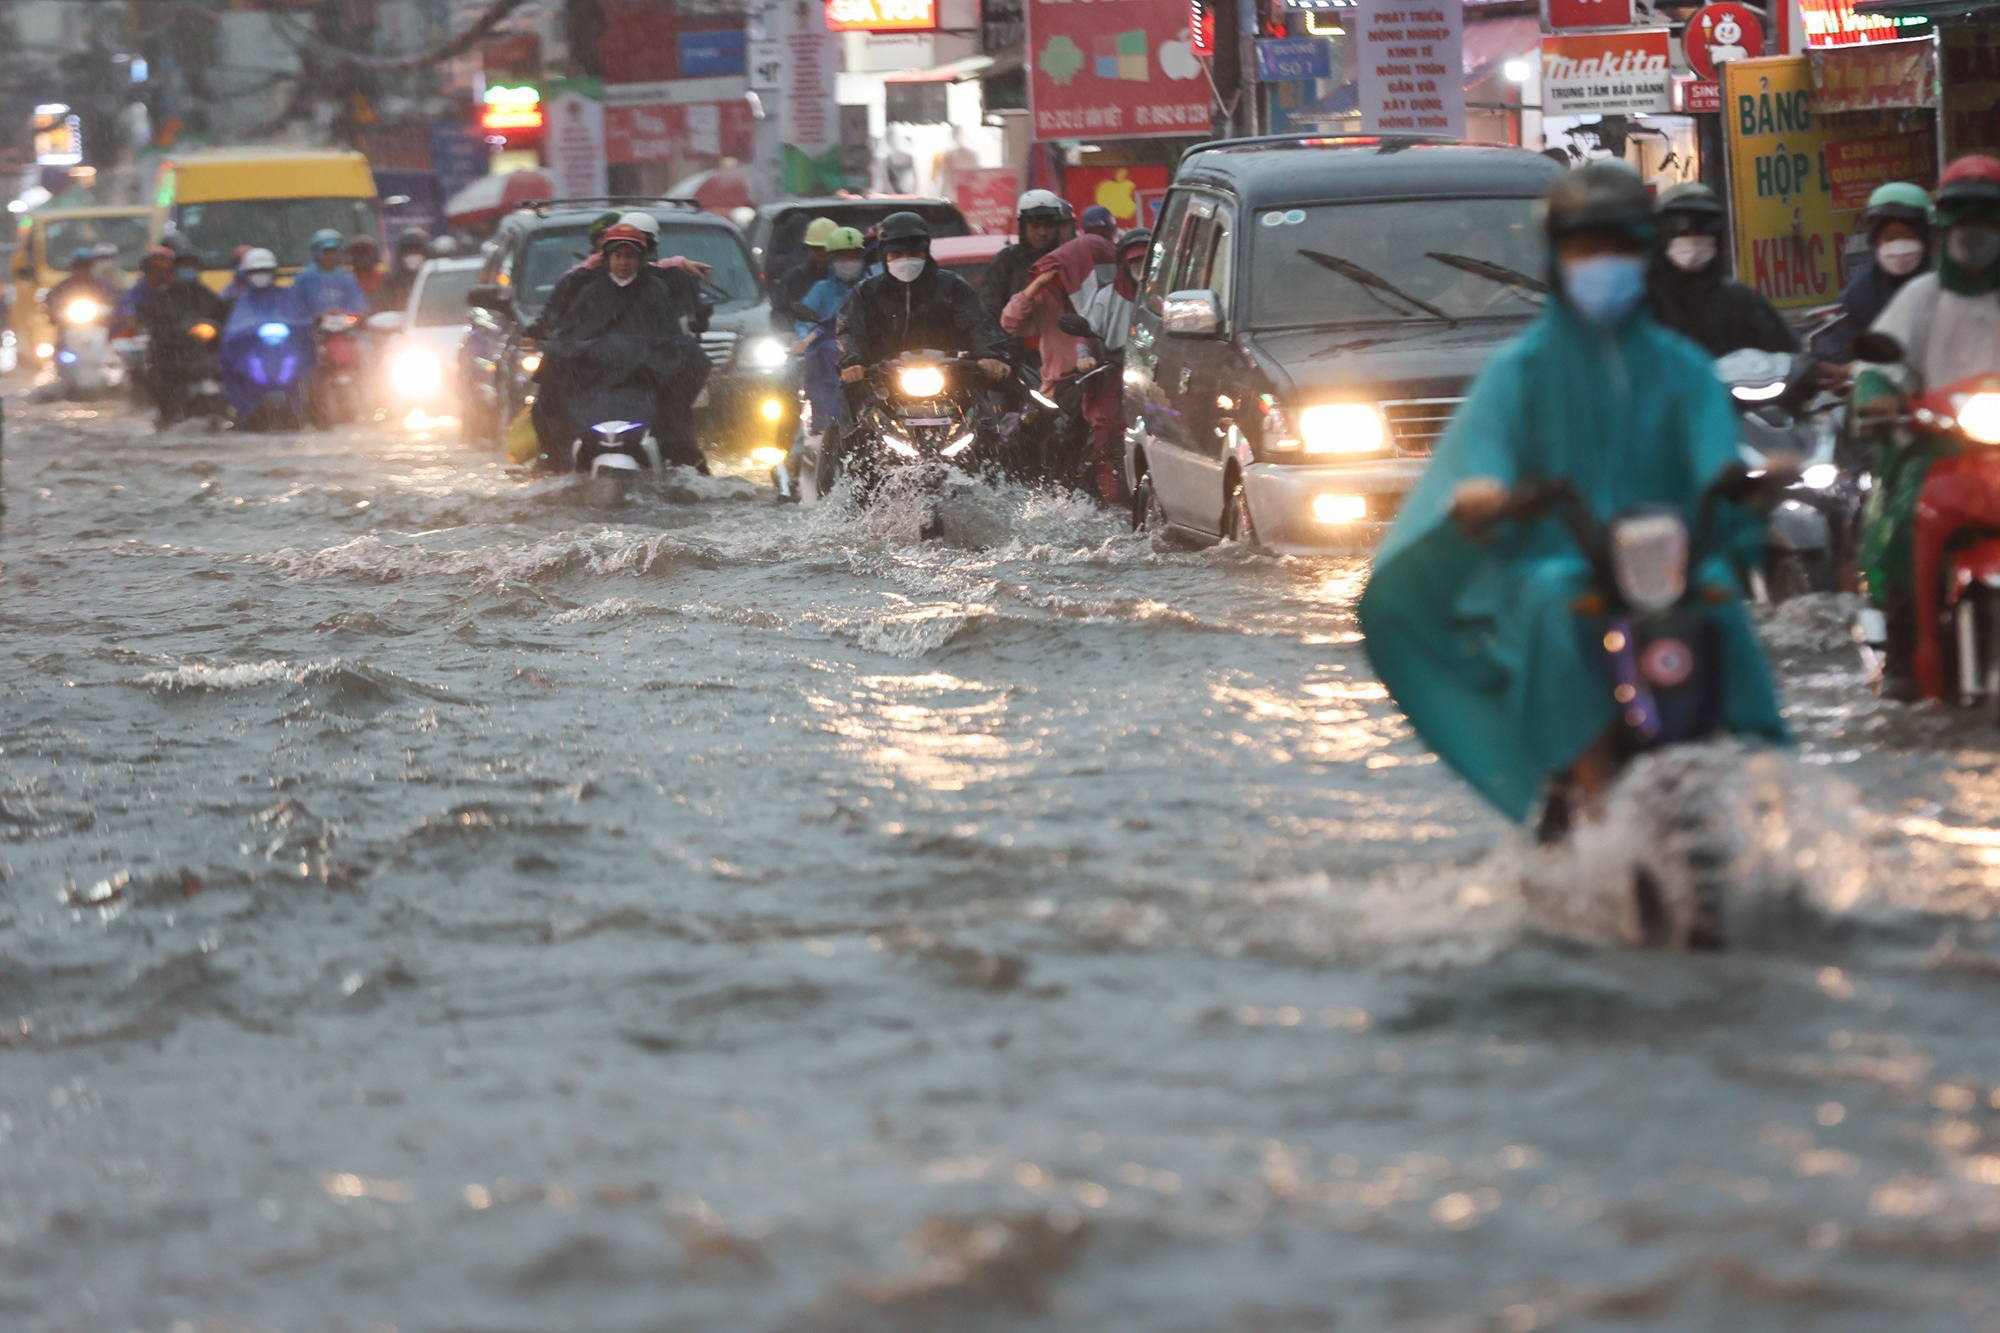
{"x": 1249, "y": 107}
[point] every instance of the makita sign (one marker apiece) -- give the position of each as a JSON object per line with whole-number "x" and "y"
{"x": 1607, "y": 73}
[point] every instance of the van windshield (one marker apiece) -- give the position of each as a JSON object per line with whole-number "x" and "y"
{"x": 554, "y": 250}
{"x": 282, "y": 226}
{"x": 63, "y": 237}
{"x": 1414, "y": 259}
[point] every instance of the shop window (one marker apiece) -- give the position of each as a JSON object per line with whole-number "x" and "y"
{"x": 915, "y": 103}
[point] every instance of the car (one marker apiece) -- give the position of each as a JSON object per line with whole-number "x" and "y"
{"x": 1314, "y": 310}
{"x": 777, "y": 234}
{"x": 968, "y": 256}
{"x": 750, "y": 404}
{"x": 419, "y": 343}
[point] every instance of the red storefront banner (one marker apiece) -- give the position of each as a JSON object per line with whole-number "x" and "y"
{"x": 987, "y": 196}
{"x": 1116, "y": 188}
{"x": 1588, "y": 14}
{"x": 1834, "y": 23}
{"x": 1857, "y": 166}
{"x": 1114, "y": 69}
{"x": 669, "y": 132}
{"x": 1878, "y": 76}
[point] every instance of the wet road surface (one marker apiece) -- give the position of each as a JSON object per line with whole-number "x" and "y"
{"x": 431, "y": 901}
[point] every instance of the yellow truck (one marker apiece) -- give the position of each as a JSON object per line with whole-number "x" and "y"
{"x": 48, "y": 239}
{"x": 226, "y": 199}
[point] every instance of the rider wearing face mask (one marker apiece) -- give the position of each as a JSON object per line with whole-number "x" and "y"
{"x": 1109, "y": 311}
{"x": 814, "y": 344}
{"x": 1690, "y": 287}
{"x": 413, "y": 247}
{"x": 1479, "y": 641}
{"x": 1898, "y": 223}
{"x": 912, "y": 306}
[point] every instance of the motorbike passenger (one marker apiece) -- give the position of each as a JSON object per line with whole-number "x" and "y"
{"x": 913, "y": 305}
{"x": 1690, "y": 288}
{"x": 327, "y": 285}
{"x": 1948, "y": 323}
{"x": 620, "y": 349}
{"x": 793, "y": 284}
{"x": 1039, "y": 217}
{"x": 815, "y": 340}
{"x": 1479, "y": 641}
{"x": 178, "y": 358}
{"x": 413, "y": 247}
{"x": 156, "y": 274}
{"x": 1898, "y": 223}
{"x": 1110, "y": 314}
{"x": 262, "y": 303}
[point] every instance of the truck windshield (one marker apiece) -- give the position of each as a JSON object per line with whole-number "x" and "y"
{"x": 554, "y": 250}
{"x": 63, "y": 237}
{"x": 282, "y": 226}
{"x": 1415, "y": 259}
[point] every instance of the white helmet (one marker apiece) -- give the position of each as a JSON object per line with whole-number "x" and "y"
{"x": 256, "y": 260}
{"x": 645, "y": 222}
{"x": 1041, "y": 206}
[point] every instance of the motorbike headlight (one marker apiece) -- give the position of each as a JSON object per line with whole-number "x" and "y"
{"x": 1757, "y": 393}
{"x": 82, "y": 310}
{"x": 899, "y": 444}
{"x": 766, "y": 353}
{"x": 1820, "y": 476}
{"x": 203, "y": 332}
{"x": 920, "y": 381}
{"x": 957, "y": 446}
{"x": 1979, "y": 417}
{"x": 1649, "y": 560}
{"x": 273, "y": 333}
{"x": 1343, "y": 428}
{"x": 530, "y": 362}
{"x": 414, "y": 372}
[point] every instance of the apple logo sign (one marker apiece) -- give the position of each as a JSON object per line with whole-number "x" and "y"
{"x": 1726, "y": 42}
{"x": 1177, "y": 57}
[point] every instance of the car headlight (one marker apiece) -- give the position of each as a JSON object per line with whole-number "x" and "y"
{"x": 766, "y": 353}
{"x": 82, "y": 310}
{"x": 414, "y": 372}
{"x": 1979, "y": 417}
{"x": 921, "y": 381}
{"x": 1342, "y": 428}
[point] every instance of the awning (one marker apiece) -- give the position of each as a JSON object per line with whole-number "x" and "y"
{"x": 959, "y": 71}
{"x": 1489, "y": 45}
{"x": 487, "y": 198}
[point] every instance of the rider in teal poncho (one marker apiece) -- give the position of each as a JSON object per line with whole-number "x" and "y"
{"x": 1478, "y": 641}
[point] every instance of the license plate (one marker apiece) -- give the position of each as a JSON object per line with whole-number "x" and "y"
{"x": 926, "y": 421}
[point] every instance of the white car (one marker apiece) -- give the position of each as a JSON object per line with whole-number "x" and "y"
{"x": 419, "y": 354}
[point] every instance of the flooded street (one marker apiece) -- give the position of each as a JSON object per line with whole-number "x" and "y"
{"x": 431, "y": 901}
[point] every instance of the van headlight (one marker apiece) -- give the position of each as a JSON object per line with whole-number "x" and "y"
{"x": 766, "y": 353}
{"x": 1342, "y": 428}
{"x": 920, "y": 381}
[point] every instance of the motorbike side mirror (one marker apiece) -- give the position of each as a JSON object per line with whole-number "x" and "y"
{"x": 1880, "y": 348}
{"x": 386, "y": 321}
{"x": 487, "y": 296}
{"x": 1076, "y": 324}
{"x": 801, "y": 311}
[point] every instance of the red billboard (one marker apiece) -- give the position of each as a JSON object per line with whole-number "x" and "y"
{"x": 1115, "y": 69}
{"x": 1589, "y": 14}
{"x": 881, "y": 15}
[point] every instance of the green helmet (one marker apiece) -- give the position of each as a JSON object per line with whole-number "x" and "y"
{"x": 818, "y": 230}
{"x": 844, "y": 238}
{"x": 601, "y": 224}
{"x": 1898, "y": 201}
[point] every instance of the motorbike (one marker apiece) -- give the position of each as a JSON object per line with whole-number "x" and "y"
{"x": 1955, "y": 578}
{"x": 265, "y": 370}
{"x": 923, "y": 414}
{"x": 84, "y": 368}
{"x": 187, "y": 381}
{"x": 1652, "y": 613}
{"x": 1786, "y": 419}
{"x": 1061, "y": 449}
{"x": 335, "y": 394}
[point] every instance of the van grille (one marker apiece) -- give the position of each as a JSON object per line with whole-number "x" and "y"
{"x": 718, "y": 343}
{"x": 1416, "y": 423}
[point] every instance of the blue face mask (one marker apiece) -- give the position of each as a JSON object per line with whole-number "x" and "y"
{"x": 188, "y": 274}
{"x": 1604, "y": 288}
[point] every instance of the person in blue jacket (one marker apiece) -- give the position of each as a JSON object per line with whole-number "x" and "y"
{"x": 1478, "y": 640}
{"x": 329, "y": 284}
{"x": 845, "y": 268}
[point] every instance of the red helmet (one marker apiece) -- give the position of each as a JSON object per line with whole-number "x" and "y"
{"x": 159, "y": 254}
{"x": 626, "y": 232}
{"x": 1970, "y": 182}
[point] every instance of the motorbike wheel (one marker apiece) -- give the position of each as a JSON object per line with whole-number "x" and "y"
{"x": 1237, "y": 525}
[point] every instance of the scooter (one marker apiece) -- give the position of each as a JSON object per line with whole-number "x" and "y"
{"x": 1955, "y": 578}
{"x": 187, "y": 379}
{"x": 1662, "y": 650}
{"x": 265, "y": 369}
{"x": 1787, "y": 420}
{"x": 335, "y": 396}
{"x": 84, "y": 369}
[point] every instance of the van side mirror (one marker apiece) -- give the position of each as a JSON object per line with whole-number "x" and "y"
{"x": 487, "y": 296}
{"x": 1192, "y": 314}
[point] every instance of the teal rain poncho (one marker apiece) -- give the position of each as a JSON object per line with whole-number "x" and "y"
{"x": 1478, "y": 642}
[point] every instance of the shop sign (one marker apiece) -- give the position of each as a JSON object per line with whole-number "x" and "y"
{"x": 1789, "y": 236}
{"x": 1561, "y": 14}
{"x": 1834, "y": 23}
{"x": 1409, "y": 70}
{"x": 1854, "y": 167}
{"x": 1718, "y": 34}
{"x": 1877, "y": 77}
{"x": 1116, "y": 188}
{"x": 987, "y": 195}
{"x": 1114, "y": 69}
{"x": 1607, "y": 73}
{"x": 881, "y": 15}
{"x": 808, "y": 122}
{"x": 1280, "y": 58}
{"x": 673, "y": 131}
{"x": 718, "y": 51}
{"x": 574, "y": 146}
{"x": 1971, "y": 107}
{"x": 504, "y": 110}
{"x": 1694, "y": 96}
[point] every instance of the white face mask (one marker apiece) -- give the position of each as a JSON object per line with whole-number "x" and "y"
{"x": 1899, "y": 259}
{"x": 1973, "y": 248}
{"x": 413, "y": 262}
{"x": 847, "y": 270}
{"x": 1691, "y": 254}
{"x": 625, "y": 281}
{"x": 259, "y": 280}
{"x": 906, "y": 270}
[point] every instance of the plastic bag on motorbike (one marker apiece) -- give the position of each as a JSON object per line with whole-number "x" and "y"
{"x": 522, "y": 443}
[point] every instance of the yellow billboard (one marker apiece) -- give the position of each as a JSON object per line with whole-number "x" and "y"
{"x": 1789, "y": 236}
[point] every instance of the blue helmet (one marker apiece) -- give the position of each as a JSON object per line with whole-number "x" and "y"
{"x": 83, "y": 254}
{"x": 326, "y": 238}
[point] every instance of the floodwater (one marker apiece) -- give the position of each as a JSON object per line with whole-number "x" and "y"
{"x": 431, "y": 902}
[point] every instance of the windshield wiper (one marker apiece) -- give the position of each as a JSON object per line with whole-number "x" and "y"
{"x": 1347, "y": 268}
{"x": 1500, "y": 273}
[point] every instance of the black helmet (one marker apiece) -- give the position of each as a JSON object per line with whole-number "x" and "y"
{"x": 412, "y": 238}
{"x": 1136, "y": 236}
{"x": 1690, "y": 207}
{"x": 903, "y": 227}
{"x": 1599, "y": 196}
